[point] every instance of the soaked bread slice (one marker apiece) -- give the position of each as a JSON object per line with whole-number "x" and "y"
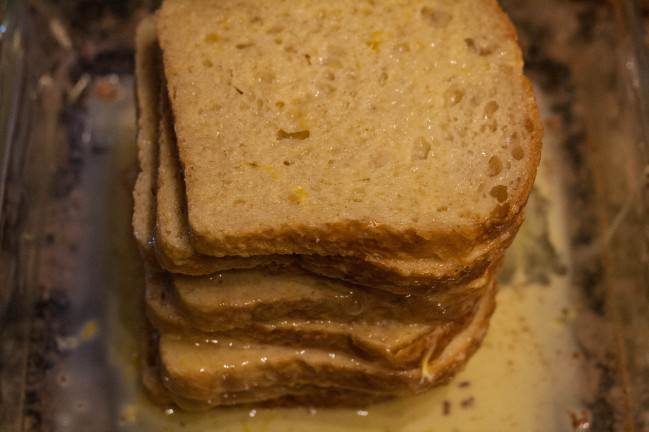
{"x": 276, "y": 396}
{"x": 147, "y": 88}
{"x": 391, "y": 342}
{"x": 207, "y": 371}
{"x": 230, "y": 298}
{"x": 411, "y": 276}
{"x": 327, "y": 128}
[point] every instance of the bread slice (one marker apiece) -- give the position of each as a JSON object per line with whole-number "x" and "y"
{"x": 327, "y": 128}
{"x": 393, "y": 343}
{"x": 276, "y": 396}
{"x": 230, "y": 298}
{"x": 271, "y": 397}
{"x": 412, "y": 276}
{"x": 147, "y": 88}
{"x": 207, "y": 371}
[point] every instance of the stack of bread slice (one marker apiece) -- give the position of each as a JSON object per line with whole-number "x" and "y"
{"x": 326, "y": 192}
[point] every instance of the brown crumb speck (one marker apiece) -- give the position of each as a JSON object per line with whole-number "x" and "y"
{"x": 446, "y": 407}
{"x": 464, "y": 384}
{"x": 467, "y": 403}
{"x": 212, "y": 38}
{"x": 299, "y": 135}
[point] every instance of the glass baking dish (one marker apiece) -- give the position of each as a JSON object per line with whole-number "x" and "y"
{"x": 568, "y": 348}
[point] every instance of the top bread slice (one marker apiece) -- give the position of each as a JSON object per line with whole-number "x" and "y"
{"x": 401, "y": 129}
{"x": 171, "y": 232}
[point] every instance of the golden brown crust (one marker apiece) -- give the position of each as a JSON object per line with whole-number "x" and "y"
{"x": 353, "y": 238}
{"x": 416, "y": 277}
{"x": 410, "y": 277}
